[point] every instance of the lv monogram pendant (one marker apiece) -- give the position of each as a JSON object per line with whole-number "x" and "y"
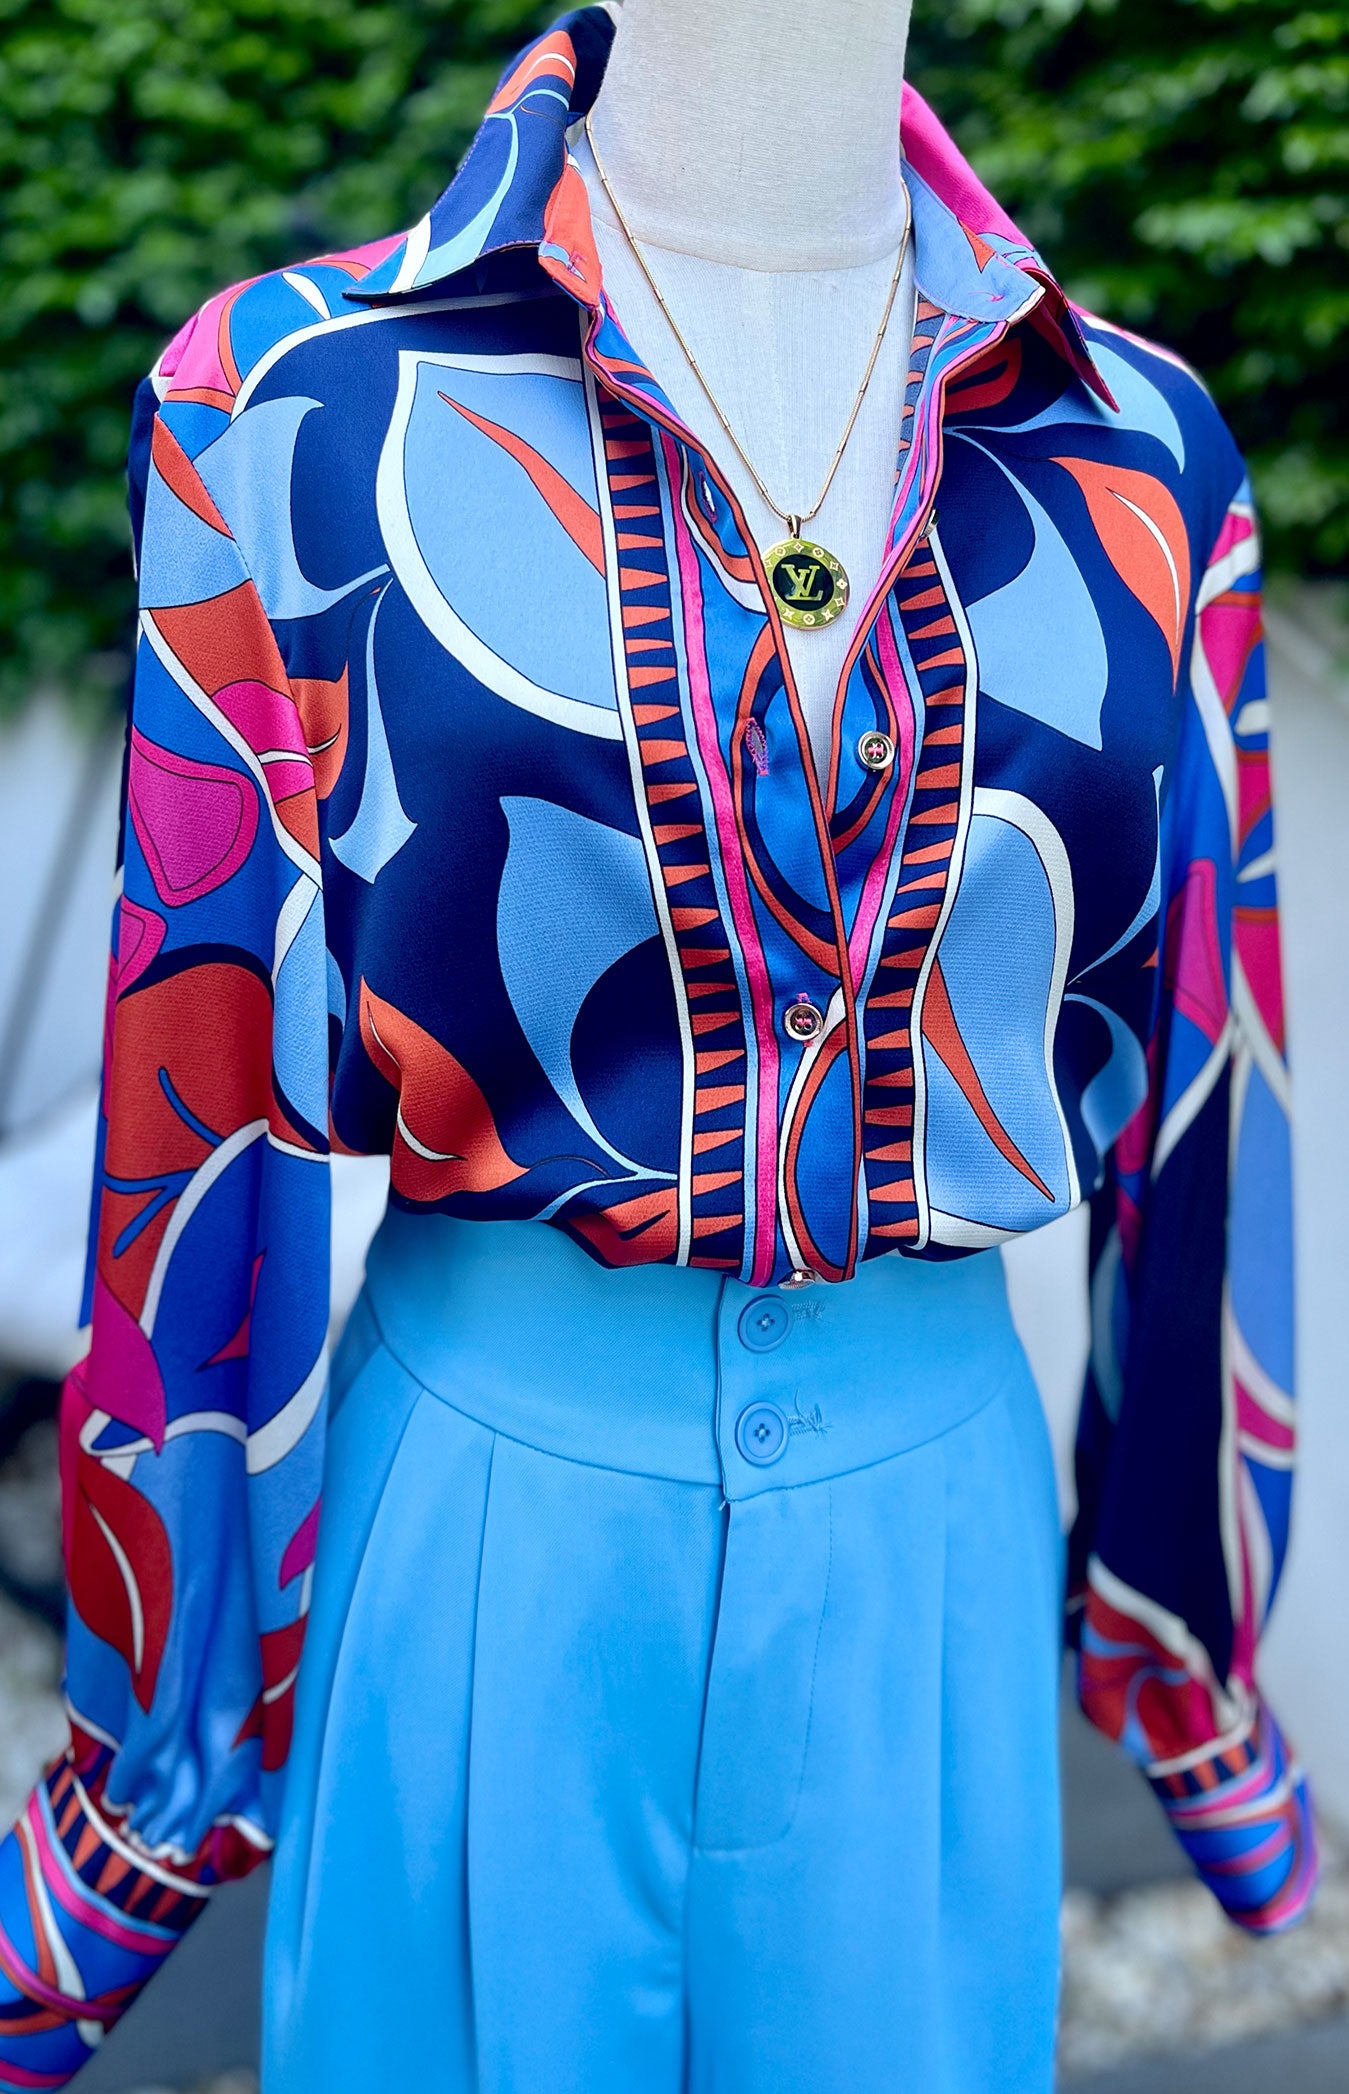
{"x": 809, "y": 585}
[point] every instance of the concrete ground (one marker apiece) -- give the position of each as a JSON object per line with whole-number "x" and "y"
{"x": 1306, "y": 2061}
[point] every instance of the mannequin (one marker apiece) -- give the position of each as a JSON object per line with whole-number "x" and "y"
{"x": 770, "y": 206}
{"x": 676, "y": 1561}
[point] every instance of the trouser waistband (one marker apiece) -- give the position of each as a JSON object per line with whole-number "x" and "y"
{"x": 683, "y": 1373}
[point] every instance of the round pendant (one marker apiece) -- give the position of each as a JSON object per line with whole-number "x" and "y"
{"x": 809, "y": 585}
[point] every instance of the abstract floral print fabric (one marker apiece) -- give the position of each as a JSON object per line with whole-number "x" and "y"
{"x": 471, "y": 818}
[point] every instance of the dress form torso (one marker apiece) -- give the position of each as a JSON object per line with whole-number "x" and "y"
{"x": 771, "y": 220}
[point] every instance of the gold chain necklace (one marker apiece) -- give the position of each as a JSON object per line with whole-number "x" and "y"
{"x": 809, "y": 584}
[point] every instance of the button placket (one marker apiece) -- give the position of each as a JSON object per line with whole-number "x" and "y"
{"x": 756, "y": 1382}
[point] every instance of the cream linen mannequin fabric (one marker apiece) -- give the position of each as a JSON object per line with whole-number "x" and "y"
{"x": 784, "y": 350}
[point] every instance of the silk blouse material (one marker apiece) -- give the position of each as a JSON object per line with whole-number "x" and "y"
{"x": 470, "y": 817}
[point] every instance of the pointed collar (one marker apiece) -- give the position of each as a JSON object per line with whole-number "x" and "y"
{"x": 518, "y": 189}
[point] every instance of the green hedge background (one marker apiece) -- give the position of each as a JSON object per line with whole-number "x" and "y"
{"x": 1184, "y": 164}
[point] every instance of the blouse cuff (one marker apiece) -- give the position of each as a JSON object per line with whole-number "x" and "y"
{"x": 87, "y": 1916}
{"x": 1242, "y": 1812}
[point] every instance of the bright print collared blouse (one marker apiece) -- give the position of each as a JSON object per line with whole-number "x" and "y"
{"x": 471, "y": 818}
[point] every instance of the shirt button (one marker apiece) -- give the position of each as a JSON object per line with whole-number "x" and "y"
{"x": 875, "y": 751}
{"x": 764, "y": 1323}
{"x": 761, "y": 1434}
{"x": 802, "y": 1022}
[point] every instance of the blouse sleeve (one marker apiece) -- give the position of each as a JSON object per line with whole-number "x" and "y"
{"x": 192, "y": 1431}
{"x": 1186, "y": 1439}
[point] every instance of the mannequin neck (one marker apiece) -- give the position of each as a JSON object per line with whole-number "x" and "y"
{"x": 727, "y": 137}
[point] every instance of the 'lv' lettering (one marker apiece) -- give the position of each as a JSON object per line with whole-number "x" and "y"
{"x": 804, "y": 582}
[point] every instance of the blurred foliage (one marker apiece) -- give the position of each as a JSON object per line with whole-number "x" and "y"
{"x": 152, "y": 151}
{"x": 1184, "y": 164}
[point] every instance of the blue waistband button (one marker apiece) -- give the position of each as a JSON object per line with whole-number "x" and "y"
{"x": 761, "y": 1434}
{"x": 764, "y": 1323}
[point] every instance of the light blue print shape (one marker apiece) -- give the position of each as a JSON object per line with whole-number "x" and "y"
{"x": 380, "y": 826}
{"x": 187, "y": 561}
{"x": 1001, "y": 955}
{"x": 967, "y": 1178}
{"x": 1062, "y": 679}
{"x": 574, "y": 899}
{"x": 1117, "y": 1090}
{"x": 299, "y": 986}
{"x": 458, "y": 511}
{"x": 1260, "y": 1232}
{"x": 247, "y": 472}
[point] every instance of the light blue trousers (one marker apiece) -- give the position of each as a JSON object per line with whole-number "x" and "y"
{"x": 678, "y": 1709}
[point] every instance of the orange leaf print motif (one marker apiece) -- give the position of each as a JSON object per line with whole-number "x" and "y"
{"x": 580, "y": 522}
{"x": 446, "y": 1141}
{"x": 322, "y": 705}
{"x": 1143, "y": 534}
{"x": 942, "y": 1034}
{"x": 636, "y": 1231}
